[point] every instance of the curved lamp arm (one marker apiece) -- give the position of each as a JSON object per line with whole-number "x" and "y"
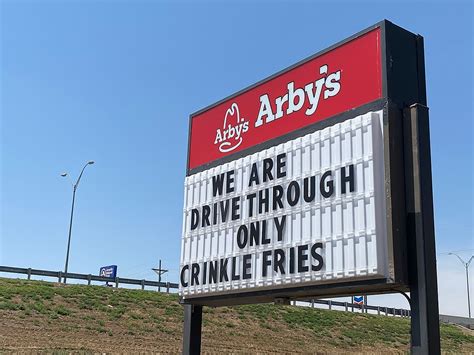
{"x": 466, "y": 264}
{"x": 460, "y": 259}
{"x": 90, "y": 162}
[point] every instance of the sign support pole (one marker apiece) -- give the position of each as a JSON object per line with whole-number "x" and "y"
{"x": 425, "y": 336}
{"x": 192, "y": 329}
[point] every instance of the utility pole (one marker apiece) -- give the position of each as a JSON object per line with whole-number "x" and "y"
{"x": 160, "y": 272}
{"x": 466, "y": 266}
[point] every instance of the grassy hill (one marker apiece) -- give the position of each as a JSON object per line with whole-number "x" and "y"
{"x": 41, "y": 316}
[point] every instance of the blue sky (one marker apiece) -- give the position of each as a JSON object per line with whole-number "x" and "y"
{"x": 116, "y": 81}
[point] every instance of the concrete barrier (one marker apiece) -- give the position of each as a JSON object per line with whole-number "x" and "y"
{"x": 464, "y": 321}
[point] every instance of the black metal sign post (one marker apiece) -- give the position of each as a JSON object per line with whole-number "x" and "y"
{"x": 192, "y": 329}
{"x": 425, "y": 337}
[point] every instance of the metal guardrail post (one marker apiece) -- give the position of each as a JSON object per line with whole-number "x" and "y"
{"x": 312, "y": 303}
{"x": 59, "y": 276}
{"x": 345, "y": 306}
{"x": 89, "y": 278}
{"x": 167, "y": 287}
{"x": 29, "y": 273}
{"x": 116, "y": 282}
{"x": 143, "y": 284}
{"x": 330, "y": 304}
{"x": 378, "y": 310}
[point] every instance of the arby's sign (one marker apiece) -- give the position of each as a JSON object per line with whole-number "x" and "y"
{"x": 340, "y": 79}
{"x": 295, "y": 185}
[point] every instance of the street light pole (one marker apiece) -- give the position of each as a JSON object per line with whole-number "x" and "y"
{"x": 467, "y": 285}
{"x": 74, "y": 188}
{"x": 466, "y": 266}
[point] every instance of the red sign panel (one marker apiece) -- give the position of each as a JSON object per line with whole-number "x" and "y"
{"x": 336, "y": 81}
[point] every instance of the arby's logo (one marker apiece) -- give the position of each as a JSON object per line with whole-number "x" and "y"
{"x": 334, "y": 82}
{"x": 306, "y": 97}
{"x": 230, "y": 136}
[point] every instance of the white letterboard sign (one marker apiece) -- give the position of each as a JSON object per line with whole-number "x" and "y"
{"x": 307, "y": 211}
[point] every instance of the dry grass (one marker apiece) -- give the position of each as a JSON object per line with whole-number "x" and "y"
{"x": 40, "y": 316}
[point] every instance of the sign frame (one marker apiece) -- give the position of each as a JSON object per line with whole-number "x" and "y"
{"x": 403, "y": 84}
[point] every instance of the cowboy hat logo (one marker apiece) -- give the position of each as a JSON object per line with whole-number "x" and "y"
{"x": 230, "y": 136}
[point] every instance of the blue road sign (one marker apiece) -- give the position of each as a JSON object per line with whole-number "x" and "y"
{"x": 108, "y": 271}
